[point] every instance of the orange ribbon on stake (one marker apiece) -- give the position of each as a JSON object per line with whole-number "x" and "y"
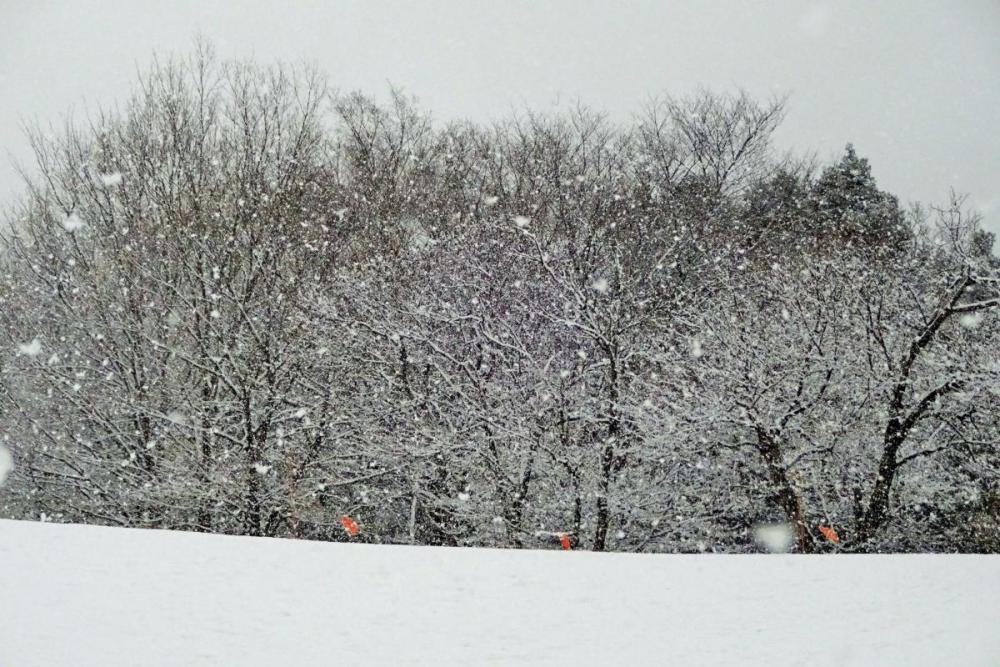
{"x": 830, "y": 534}
{"x": 565, "y": 542}
{"x": 350, "y": 525}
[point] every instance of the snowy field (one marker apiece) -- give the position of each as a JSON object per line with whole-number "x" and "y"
{"x": 109, "y": 597}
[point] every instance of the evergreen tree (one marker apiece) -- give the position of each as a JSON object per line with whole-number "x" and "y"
{"x": 849, "y": 207}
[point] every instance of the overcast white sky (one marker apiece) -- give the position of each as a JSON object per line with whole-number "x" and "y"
{"x": 914, "y": 85}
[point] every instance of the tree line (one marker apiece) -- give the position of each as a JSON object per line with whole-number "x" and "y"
{"x": 246, "y": 303}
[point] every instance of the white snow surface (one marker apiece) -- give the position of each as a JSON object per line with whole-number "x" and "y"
{"x": 109, "y": 597}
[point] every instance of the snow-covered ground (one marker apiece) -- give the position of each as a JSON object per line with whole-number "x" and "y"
{"x": 108, "y": 597}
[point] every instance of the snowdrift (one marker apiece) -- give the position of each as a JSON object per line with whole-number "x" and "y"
{"x": 109, "y": 597}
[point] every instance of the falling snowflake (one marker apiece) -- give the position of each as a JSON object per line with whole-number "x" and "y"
{"x": 774, "y": 537}
{"x": 490, "y": 200}
{"x": 32, "y": 349}
{"x": 521, "y": 221}
{"x": 696, "y": 349}
{"x": 261, "y": 469}
{"x": 463, "y": 496}
{"x": 73, "y": 223}
{"x": 176, "y": 417}
{"x": 6, "y": 463}
{"x": 971, "y": 320}
{"x": 111, "y": 180}
{"x": 600, "y": 285}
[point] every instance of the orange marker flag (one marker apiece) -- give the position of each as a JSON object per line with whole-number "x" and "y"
{"x": 830, "y": 534}
{"x": 564, "y": 541}
{"x": 350, "y": 525}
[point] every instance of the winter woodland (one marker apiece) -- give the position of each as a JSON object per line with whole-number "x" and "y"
{"x": 248, "y": 303}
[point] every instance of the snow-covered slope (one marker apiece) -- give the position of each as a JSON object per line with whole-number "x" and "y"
{"x": 108, "y": 597}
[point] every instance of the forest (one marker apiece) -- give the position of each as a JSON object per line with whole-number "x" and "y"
{"x": 246, "y": 302}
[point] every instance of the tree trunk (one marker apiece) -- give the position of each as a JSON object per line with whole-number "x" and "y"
{"x": 603, "y": 512}
{"x": 788, "y": 498}
{"x": 878, "y": 505}
{"x": 603, "y": 520}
